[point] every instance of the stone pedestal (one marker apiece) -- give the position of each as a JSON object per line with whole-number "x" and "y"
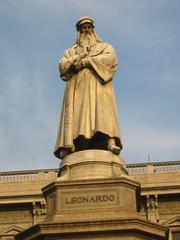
{"x": 93, "y": 198}
{"x": 91, "y": 164}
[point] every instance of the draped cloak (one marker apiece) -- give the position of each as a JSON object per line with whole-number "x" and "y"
{"x": 89, "y": 102}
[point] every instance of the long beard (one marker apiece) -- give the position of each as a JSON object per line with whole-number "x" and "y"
{"x": 83, "y": 38}
{"x": 87, "y": 39}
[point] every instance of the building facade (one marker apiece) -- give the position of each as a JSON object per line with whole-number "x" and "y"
{"x": 22, "y": 203}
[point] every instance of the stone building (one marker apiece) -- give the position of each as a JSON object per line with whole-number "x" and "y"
{"x": 22, "y": 203}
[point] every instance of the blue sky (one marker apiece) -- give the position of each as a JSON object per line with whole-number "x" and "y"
{"x": 34, "y": 35}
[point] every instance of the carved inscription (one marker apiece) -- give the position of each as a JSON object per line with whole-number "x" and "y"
{"x": 15, "y": 214}
{"x": 19, "y": 216}
{"x": 90, "y": 199}
{"x": 169, "y": 207}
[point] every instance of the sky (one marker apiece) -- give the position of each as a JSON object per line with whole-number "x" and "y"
{"x": 33, "y": 37}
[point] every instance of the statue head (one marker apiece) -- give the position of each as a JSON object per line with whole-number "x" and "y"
{"x": 84, "y": 20}
{"x": 86, "y": 33}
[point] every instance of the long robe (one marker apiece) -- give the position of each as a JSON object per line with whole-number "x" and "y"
{"x": 89, "y": 102}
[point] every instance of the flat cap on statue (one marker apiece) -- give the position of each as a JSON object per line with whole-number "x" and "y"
{"x": 83, "y": 20}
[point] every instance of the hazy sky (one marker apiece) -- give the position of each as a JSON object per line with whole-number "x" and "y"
{"x": 34, "y": 35}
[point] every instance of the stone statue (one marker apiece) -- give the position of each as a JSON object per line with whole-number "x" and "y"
{"x": 89, "y": 117}
{"x": 152, "y": 208}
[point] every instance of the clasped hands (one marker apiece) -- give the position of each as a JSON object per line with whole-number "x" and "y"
{"x": 82, "y": 61}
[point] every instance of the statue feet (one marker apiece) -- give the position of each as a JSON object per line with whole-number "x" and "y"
{"x": 113, "y": 147}
{"x": 66, "y": 152}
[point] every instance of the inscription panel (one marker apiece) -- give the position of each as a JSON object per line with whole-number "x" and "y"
{"x": 18, "y": 214}
{"x": 89, "y": 199}
{"x": 169, "y": 207}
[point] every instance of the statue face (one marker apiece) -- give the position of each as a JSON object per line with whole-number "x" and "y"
{"x": 86, "y": 28}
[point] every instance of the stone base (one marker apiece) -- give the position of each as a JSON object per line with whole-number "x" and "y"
{"x": 91, "y": 164}
{"x": 131, "y": 229}
{"x": 91, "y": 199}
{"x": 94, "y": 209}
